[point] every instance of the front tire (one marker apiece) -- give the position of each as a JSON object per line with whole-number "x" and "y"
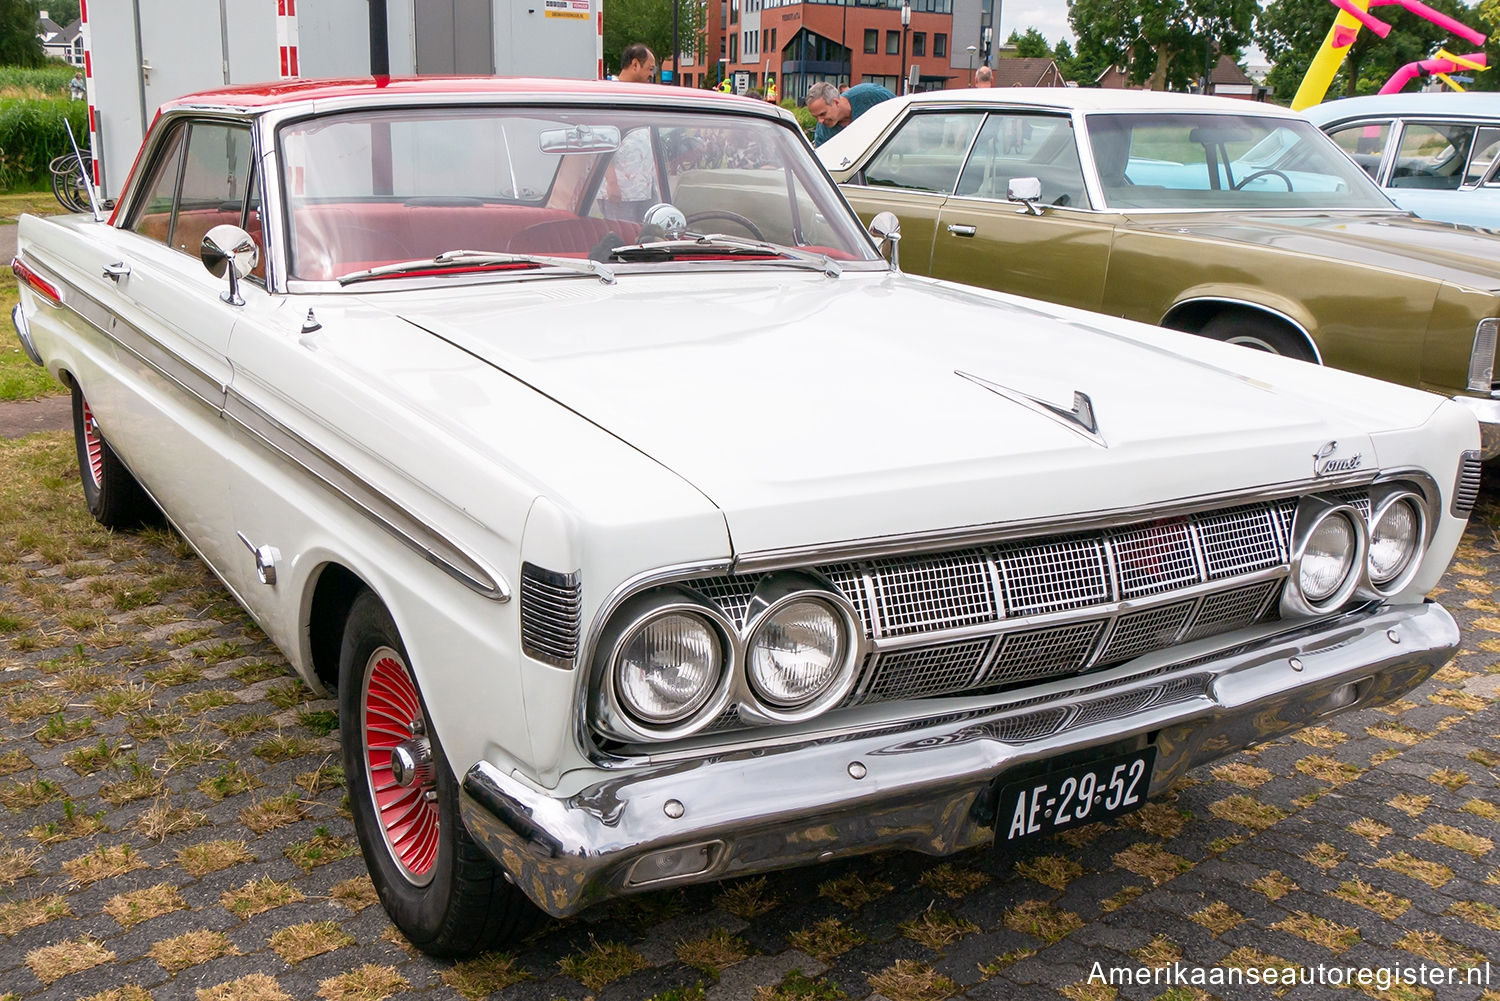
{"x": 114, "y": 497}
{"x": 436, "y": 884}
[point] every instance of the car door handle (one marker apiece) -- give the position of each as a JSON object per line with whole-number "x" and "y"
{"x": 114, "y": 272}
{"x": 958, "y": 230}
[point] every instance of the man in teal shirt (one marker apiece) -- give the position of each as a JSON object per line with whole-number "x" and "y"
{"x": 834, "y": 110}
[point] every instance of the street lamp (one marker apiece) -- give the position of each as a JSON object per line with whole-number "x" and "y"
{"x": 972, "y": 49}
{"x": 905, "y": 24}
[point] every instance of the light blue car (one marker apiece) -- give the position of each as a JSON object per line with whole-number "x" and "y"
{"x": 1434, "y": 154}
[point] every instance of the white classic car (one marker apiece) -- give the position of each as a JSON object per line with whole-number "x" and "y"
{"x": 652, "y": 528}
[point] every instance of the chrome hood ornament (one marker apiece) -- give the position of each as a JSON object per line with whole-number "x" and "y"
{"x": 1080, "y": 419}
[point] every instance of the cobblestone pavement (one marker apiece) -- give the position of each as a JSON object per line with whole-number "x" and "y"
{"x": 173, "y": 827}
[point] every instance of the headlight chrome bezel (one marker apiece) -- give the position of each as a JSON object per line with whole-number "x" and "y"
{"x": 615, "y": 713}
{"x": 1311, "y": 513}
{"x": 1380, "y": 504}
{"x": 773, "y": 594}
{"x": 734, "y": 687}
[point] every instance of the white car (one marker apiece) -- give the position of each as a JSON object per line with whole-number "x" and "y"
{"x": 651, "y": 545}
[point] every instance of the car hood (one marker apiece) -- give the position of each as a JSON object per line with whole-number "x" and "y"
{"x": 1460, "y": 255}
{"x": 813, "y": 409}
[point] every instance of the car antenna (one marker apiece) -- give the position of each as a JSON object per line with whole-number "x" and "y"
{"x": 88, "y": 182}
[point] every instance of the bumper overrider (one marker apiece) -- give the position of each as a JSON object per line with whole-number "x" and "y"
{"x": 930, "y": 786}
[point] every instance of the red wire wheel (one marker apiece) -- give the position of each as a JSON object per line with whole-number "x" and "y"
{"x": 94, "y": 444}
{"x": 390, "y": 715}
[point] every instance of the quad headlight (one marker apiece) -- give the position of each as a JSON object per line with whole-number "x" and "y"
{"x": 796, "y": 653}
{"x": 674, "y": 661}
{"x": 668, "y": 667}
{"x": 1398, "y": 533}
{"x": 1329, "y": 547}
{"x": 1328, "y": 557}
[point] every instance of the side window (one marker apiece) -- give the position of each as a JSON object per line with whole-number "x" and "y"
{"x": 1040, "y": 146}
{"x": 203, "y": 181}
{"x": 1486, "y": 147}
{"x": 926, "y": 152}
{"x": 1432, "y": 156}
{"x": 1365, "y": 143}
{"x": 153, "y": 214}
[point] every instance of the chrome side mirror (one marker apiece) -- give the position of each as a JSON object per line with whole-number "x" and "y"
{"x": 1027, "y": 191}
{"x": 886, "y": 229}
{"x": 229, "y": 251}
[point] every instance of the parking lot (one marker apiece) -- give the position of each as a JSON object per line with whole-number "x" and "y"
{"x": 174, "y": 827}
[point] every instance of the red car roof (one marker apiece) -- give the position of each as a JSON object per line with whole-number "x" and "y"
{"x": 265, "y": 95}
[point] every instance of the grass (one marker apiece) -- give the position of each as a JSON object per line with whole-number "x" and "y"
{"x": 177, "y": 954}
{"x": 294, "y": 943}
{"x": 368, "y": 983}
{"x": 53, "y": 962}
{"x": 713, "y": 952}
{"x": 484, "y": 975}
{"x": 211, "y": 856}
{"x": 258, "y": 896}
{"x": 953, "y": 881}
{"x": 826, "y": 939}
{"x": 16, "y": 916}
{"x": 602, "y": 963}
{"x": 130, "y": 909}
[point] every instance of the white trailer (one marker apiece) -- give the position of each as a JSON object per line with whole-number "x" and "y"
{"x": 141, "y": 53}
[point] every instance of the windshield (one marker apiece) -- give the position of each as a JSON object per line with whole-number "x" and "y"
{"x": 372, "y": 188}
{"x": 1197, "y": 161}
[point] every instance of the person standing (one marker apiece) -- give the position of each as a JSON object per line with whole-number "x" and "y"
{"x": 629, "y": 183}
{"x": 76, "y": 87}
{"x": 984, "y": 77}
{"x": 834, "y": 110}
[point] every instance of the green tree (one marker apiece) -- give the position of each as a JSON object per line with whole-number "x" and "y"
{"x": 19, "y": 45}
{"x": 1294, "y": 30}
{"x": 1031, "y": 45}
{"x": 629, "y": 21}
{"x": 1163, "y": 43}
{"x": 61, "y": 12}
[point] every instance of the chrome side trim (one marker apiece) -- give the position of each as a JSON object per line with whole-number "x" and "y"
{"x": 1247, "y": 304}
{"x": 209, "y": 392}
{"x": 438, "y": 550}
{"x": 197, "y": 385}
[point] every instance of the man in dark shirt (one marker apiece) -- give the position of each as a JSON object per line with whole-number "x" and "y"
{"x": 834, "y": 110}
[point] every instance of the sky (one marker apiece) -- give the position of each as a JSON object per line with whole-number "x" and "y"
{"x": 1050, "y": 17}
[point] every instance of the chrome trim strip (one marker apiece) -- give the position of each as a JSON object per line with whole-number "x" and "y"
{"x": 202, "y": 388}
{"x": 442, "y": 552}
{"x": 1230, "y": 300}
{"x": 198, "y": 385}
{"x": 896, "y": 545}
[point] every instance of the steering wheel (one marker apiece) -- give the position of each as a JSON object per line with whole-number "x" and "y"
{"x": 1262, "y": 173}
{"x": 727, "y": 216}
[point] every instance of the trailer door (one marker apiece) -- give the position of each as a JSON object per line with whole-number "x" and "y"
{"x": 456, "y": 36}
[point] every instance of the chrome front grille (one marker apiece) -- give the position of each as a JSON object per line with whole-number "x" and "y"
{"x": 997, "y": 617}
{"x": 1054, "y": 575}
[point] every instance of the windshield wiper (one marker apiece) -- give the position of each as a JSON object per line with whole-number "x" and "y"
{"x": 721, "y": 243}
{"x": 481, "y": 259}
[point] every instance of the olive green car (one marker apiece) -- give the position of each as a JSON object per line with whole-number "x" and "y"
{"x": 1231, "y": 219}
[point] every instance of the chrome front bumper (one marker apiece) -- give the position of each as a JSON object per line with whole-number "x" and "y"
{"x": 927, "y": 787}
{"x": 1486, "y": 409}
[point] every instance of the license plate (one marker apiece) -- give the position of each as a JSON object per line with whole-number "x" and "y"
{"x": 1055, "y": 801}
